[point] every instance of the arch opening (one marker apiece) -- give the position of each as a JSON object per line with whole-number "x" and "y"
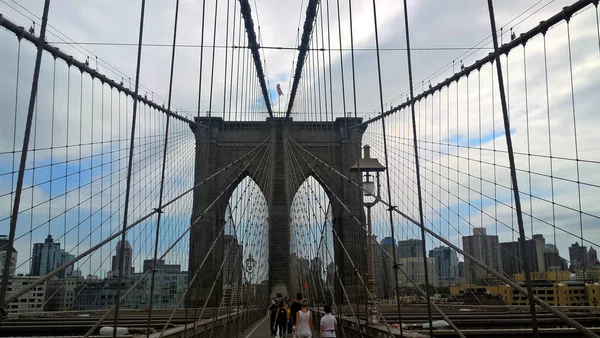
{"x": 312, "y": 257}
{"x": 246, "y": 236}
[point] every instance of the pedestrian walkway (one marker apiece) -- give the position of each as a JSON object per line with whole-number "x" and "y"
{"x": 258, "y": 330}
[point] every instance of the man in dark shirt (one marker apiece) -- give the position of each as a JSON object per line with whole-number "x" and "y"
{"x": 273, "y": 313}
{"x": 294, "y": 309}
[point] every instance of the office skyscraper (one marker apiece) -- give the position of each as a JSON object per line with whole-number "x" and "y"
{"x": 127, "y": 259}
{"x": 534, "y": 252}
{"x": 578, "y": 254}
{"x": 48, "y": 256}
{"x": 446, "y": 263}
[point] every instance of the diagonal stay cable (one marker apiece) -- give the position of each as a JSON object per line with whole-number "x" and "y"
{"x": 191, "y": 281}
{"x": 298, "y": 173}
{"x": 341, "y": 243}
{"x": 51, "y": 274}
{"x": 219, "y": 272}
{"x": 584, "y": 330}
{"x": 302, "y": 178}
{"x": 92, "y": 330}
{"x": 444, "y": 316}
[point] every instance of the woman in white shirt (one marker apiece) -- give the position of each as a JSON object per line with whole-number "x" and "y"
{"x": 304, "y": 325}
{"x": 328, "y": 323}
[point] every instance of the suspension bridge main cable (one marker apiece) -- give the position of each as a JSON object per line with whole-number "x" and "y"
{"x": 254, "y": 46}
{"x": 311, "y": 12}
{"x": 507, "y": 47}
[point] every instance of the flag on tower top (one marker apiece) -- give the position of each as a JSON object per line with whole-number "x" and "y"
{"x": 279, "y": 91}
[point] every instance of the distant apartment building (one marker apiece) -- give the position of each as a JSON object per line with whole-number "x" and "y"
{"x": 4, "y": 248}
{"x": 32, "y": 301}
{"x": 414, "y": 268}
{"x": 410, "y": 248}
{"x": 100, "y": 295}
{"x": 553, "y": 260}
{"x": 486, "y": 249}
{"x": 61, "y": 293}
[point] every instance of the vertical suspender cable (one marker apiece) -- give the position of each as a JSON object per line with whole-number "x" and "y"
{"x": 162, "y": 176}
{"x": 201, "y": 61}
{"x": 513, "y": 171}
{"x": 26, "y": 136}
{"x": 417, "y": 167}
{"x": 387, "y": 172}
{"x": 129, "y": 169}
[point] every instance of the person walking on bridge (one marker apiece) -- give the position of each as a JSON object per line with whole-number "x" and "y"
{"x": 304, "y": 324}
{"x": 328, "y": 323}
{"x": 281, "y": 319}
{"x": 295, "y": 308}
{"x": 273, "y": 314}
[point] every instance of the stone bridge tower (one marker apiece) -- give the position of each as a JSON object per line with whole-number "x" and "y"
{"x": 221, "y": 143}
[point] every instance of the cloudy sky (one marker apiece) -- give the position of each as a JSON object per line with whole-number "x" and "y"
{"x": 443, "y": 35}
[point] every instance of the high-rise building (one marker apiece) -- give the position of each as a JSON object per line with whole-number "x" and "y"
{"x": 446, "y": 263}
{"x": 553, "y": 260}
{"x": 4, "y": 247}
{"x": 578, "y": 254}
{"x": 383, "y": 269}
{"x": 534, "y": 252}
{"x": 127, "y": 260}
{"x": 486, "y": 249}
{"x": 48, "y": 256}
{"x": 592, "y": 258}
{"x": 232, "y": 270}
{"x": 410, "y": 248}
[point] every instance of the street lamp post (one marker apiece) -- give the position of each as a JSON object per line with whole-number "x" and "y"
{"x": 367, "y": 166}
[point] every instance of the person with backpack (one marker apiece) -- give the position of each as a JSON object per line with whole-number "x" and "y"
{"x": 304, "y": 324}
{"x": 281, "y": 319}
{"x": 328, "y": 323}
